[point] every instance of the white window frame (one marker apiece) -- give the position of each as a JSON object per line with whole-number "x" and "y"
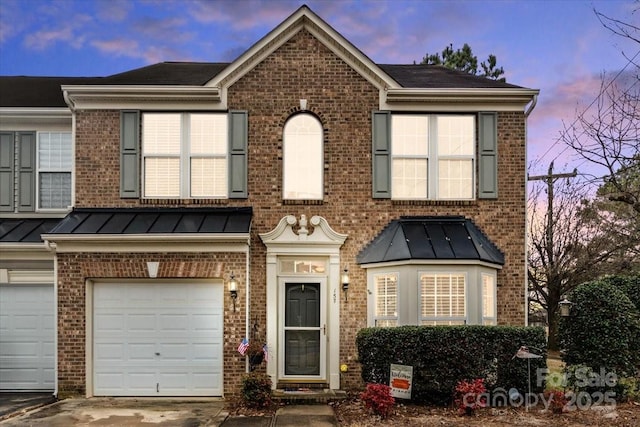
{"x": 313, "y": 167}
{"x": 492, "y": 317}
{"x": 433, "y": 158}
{"x": 385, "y": 320}
{"x": 409, "y": 310}
{"x": 39, "y": 170}
{"x": 443, "y": 320}
{"x": 185, "y": 157}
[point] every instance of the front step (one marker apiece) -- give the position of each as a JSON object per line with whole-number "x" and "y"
{"x": 306, "y": 395}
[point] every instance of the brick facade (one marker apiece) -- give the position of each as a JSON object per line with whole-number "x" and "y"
{"x": 302, "y": 68}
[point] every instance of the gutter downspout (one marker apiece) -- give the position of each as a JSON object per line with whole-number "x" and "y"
{"x": 247, "y": 320}
{"x": 528, "y": 111}
{"x": 52, "y": 248}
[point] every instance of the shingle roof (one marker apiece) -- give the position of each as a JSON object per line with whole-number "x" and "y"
{"x": 430, "y": 238}
{"x": 169, "y": 73}
{"x": 25, "y": 230}
{"x": 155, "y": 220}
{"x": 26, "y": 91}
{"x": 439, "y": 77}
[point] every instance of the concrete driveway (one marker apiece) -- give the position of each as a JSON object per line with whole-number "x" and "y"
{"x": 125, "y": 412}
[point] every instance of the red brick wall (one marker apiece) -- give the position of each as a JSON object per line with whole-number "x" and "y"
{"x": 343, "y": 101}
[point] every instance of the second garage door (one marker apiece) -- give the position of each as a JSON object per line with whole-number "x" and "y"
{"x": 157, "y": 339}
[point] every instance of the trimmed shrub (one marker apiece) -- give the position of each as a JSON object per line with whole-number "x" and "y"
{"x": 630, "y": 285}
{"x": 256, "y": 390}
{"x": 603, "y": 330}
{"x": 442, "y": 356}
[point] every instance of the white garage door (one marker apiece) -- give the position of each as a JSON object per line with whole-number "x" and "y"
{"x": 160, "y": 339}
{"x": 26, "y": 337}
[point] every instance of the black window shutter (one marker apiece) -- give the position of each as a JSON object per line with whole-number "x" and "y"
{"x": 488, "y": 156}
{"x": 7, "y": 171}
{"x": 129, "y": 154}
{"x": 381, "y": 146}
{"x": 26, "y": 171}
{"x": 238, "y": 142}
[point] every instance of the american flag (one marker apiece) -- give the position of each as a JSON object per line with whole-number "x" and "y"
{"x": 265, "y": 352}
{"x": 244, "y": 345}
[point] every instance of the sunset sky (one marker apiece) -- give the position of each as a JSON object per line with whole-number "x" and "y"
{"x": 559, "y": 47}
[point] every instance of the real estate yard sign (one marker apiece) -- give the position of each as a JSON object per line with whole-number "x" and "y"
{"x": 400, "y": 381}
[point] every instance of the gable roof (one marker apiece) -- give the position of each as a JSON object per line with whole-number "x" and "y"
{"x": 434, "y": 238}
{"x": 204, "y": 83}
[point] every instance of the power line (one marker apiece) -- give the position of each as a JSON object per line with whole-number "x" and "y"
{"x": 593, "y": 102}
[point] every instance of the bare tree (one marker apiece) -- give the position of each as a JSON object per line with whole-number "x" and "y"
{"x": 608, "y": 139}
{"x": 567, "y": 246}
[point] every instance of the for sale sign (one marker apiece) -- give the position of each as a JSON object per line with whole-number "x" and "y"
{"x": 400, "y": 381}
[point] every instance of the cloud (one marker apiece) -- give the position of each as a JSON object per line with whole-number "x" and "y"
{"x": 113, "y": 10}
{"x": 243, "y": 14}
{"x": 171, "y": 29}
{"x": 44, "y": 39}
{"x": 118, "y": 47}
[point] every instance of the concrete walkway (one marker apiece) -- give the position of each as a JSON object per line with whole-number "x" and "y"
{"x": 289, "y": 416}
{"x": 120, "y": 412}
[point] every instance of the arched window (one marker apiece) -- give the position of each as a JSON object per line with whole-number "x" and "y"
{"x": 302, "y": 158}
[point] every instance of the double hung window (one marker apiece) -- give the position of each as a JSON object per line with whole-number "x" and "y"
{"x": 433, "y": 157}
{"x": 185, "y": 155}
{"x": 54, "y": 170}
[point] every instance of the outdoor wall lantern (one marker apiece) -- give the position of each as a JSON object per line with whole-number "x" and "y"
{"x": 152, "y": 268}
{"x": 565, "y": 307}
{"x": 345, "y": 282}
{"x": 233, "y": 290}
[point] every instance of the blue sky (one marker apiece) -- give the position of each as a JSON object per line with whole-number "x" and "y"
{"x": 559, "y": 46}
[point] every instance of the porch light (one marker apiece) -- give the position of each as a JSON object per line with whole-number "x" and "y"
{"x": 233, "y": 290}
{"x": 345, "y": 282}
{"x": 152, "y": 268}
{"x": 565, "y": 307}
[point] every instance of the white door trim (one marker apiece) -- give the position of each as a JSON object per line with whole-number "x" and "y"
{"x": 284, "y": 241}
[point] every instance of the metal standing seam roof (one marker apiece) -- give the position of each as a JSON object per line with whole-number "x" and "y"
{"x": 27, "y": 230}
{"x": 127, "y": 221}
{"x": 430, "y": 238}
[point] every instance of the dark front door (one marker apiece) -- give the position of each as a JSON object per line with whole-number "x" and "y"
{"x": 302, "y": 329}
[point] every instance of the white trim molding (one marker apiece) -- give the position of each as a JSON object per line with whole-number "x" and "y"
{"x": 322, "y": 241}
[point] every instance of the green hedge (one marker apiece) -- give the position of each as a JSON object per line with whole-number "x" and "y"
{"x": 443, "y": 355}
{"x": 603, "y": 330}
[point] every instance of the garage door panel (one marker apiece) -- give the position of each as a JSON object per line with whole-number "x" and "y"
{"x": 26, "y": 337}
{"x": 164, "y": 339}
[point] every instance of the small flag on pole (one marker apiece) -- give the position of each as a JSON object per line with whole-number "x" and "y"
{"x": 244, "y": 345}
{"x": 265, "y": 352}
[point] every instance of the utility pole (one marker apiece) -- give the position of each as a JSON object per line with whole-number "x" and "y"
{"x": 550, "y": 178}
{"x": 554, "y": 293}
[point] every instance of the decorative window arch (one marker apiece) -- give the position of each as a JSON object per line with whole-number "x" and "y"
{"x": 303, "y": 158}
